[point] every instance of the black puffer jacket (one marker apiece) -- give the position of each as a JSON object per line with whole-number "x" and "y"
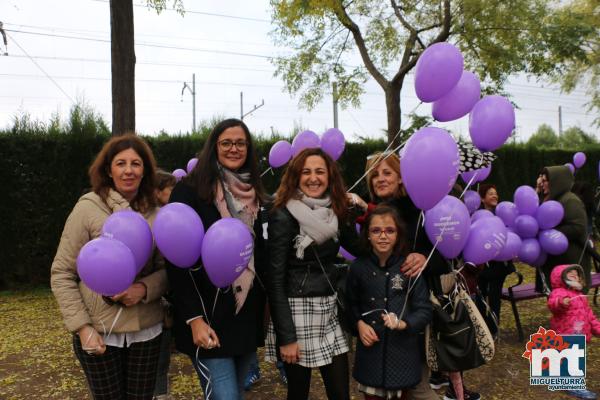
{"x": 289, "y": 276}
{"x": 395, "y": 361}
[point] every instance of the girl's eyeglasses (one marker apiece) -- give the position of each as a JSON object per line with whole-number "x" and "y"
{"x": 378, "y": 231}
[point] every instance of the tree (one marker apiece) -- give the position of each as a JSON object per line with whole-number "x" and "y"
{"x": 123, "y": 61}
{"x": 575, "y": 138}
{"x": 497, "y": 38}
{"x": 583, "y": 69}
{"x": 544, "y": 137}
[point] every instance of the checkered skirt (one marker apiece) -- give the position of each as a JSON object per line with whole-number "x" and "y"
{"x": 320, "y": 336}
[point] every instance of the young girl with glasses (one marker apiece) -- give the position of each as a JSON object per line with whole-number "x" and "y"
{"x": 387, "y": 310}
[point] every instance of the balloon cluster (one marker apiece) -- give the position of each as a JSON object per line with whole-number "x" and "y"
{"x": 332, "y": 142}
{"x": 579, "y": 159}
{"x": 180, "y": 172}
{"x": 225, "y": 248}
{"x": 109, "y": 264}
{"x": 441, "y": 80}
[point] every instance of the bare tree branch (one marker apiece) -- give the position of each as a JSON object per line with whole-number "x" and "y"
{"x": 345, "y": 19}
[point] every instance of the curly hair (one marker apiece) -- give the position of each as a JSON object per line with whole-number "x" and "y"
{"x": 288, "y": 189}
{"x": 100, "y": 169}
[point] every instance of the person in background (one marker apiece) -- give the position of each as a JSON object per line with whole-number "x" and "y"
{"x": 555, "y": 184}
{"x": 491, "y": 278}
{"x": 385, "y": 315}
{"x": 571, "y": 312}
{"x": 308, "y": 222}
{"x": 220, "y": 328}
{"x": 165, "y": 182}
{"x": 121, "y": 364}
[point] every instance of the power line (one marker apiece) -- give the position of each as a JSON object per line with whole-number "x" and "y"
{"x": 42, "y": 69}
{"x": 202, "y": 13}
{"x": 154, "y": 45}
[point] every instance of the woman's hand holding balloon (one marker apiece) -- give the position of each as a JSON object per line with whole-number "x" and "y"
{"x": 91, "y": 341}
{"x": 203, "y": 335}
{"x": 133, "y": 295}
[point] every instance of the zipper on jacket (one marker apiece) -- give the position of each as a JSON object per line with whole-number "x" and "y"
{"x": 385, "y": 331}
{"x": 305, "y": 278}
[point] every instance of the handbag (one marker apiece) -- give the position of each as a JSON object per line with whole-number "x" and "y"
{"x": 458, "y": 338}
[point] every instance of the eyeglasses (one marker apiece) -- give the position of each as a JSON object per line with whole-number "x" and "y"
{"x": 378, "y": 231}
{"x": 226, "y": 145}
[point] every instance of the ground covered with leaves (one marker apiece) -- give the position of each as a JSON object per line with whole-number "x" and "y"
{"x": 37, "y": 361}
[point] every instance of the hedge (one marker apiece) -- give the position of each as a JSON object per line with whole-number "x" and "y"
{"x": 43, "y": 175}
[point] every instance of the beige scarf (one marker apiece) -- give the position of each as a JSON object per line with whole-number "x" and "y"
{"x": 235, "y": 197}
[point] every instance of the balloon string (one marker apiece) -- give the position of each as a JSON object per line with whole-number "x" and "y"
{"x": 385, "y": 153}
{"x": 268, "y": 169}
{"x": 469, "y": 184}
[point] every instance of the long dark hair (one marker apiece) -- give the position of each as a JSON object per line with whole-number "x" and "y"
{"x": 381, "y": 210}
{"x": 100, "y": 169}
{"x": 288, "y": 188}
{"x": 205, "y": 174}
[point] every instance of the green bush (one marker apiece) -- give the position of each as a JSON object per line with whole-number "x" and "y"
{"x": 43, "y": 175}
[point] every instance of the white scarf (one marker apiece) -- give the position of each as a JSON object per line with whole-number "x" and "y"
{"x": 318, "y": 223}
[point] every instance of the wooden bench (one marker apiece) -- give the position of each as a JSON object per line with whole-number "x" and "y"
{"x": 520, "y": 292}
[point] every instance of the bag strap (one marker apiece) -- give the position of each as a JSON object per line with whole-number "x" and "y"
{"x": 337, "y": 298}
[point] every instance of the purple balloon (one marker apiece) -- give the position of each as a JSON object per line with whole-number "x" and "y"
{"x": 571, "y": 167}
{"x": 429, "y": 166}
{"x": 553, "y": 242}
{"x": 511, "y": 248}
{"x": 459, "y": 100}
{"x": 106, "y": 266}
{"x": 491, "y": 122}
{"x": 305, "y": 140}
{"x": 131, "y": 229}
{"x": 346, "y": 254}
{"x": 480, "y": 214}
{"x": 280, "y": 154}
{"x": 178, "y": 174}
{"x": 438, "y": 70}
{"x": 529, "y": 251}
{"x": 526, "y": 200}
{"x": 191, "y": 164}
{"x": 178, "y": 231}
{"x": 448, "y": 224}
{"x": 476, "y": 175}
{"x": 549, "y": 214}
{"x": 579, "y": 159}
{"x": 541, "y": 260}
{"x": 507, "y": 212}
{"x": 487, "y": 238}
{"x": 526, "y": 226}
{"x": 333, "y": 142}
{"x": 472, "y": 200}
{"x": 226, "y": 251}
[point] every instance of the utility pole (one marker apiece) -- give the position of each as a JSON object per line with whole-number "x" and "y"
{"x": 192, "y": 90}
{"x": 254, "y": 108}
{"x": 560, "y": 121}
{"x": 335, "y": 105}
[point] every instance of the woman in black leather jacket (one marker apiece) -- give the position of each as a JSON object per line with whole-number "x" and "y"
{"x": 307, "y": 224}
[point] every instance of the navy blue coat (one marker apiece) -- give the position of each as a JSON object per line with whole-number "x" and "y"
{"x": 395, "y": 361}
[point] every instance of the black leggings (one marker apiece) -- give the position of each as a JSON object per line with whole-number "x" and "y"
{"x": 335, "y": 377}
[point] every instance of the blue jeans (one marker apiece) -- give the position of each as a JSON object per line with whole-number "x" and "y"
{"x": 226, "y": 376}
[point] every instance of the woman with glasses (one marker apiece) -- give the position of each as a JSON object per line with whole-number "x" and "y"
{"x": 384, "y": 182}
{"x": 386, "y": 312}
{"x": 116, "y": 339}
{"x": 308, "y": 222}
{"x": 220, "y": 328}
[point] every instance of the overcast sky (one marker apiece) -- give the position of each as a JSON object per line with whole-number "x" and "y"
{"x": 226, "y": 44}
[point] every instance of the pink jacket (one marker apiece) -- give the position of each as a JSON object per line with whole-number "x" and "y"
{"x": 577, "y": 317}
